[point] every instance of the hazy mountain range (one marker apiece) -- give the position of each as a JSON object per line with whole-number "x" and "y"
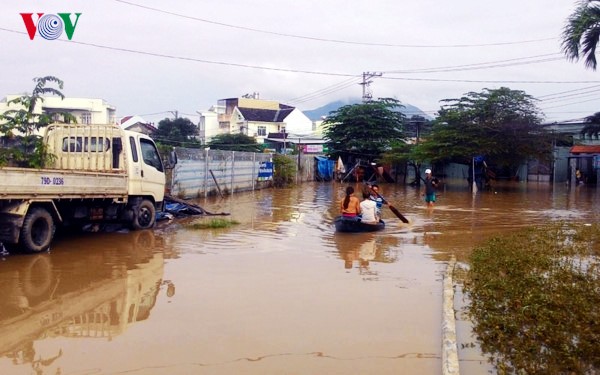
{"x": 318, "y": 113}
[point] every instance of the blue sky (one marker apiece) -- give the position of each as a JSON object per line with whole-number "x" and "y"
{"x": 150, "y": 57}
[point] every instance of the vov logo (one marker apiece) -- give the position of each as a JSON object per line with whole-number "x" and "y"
{"x": 50, "y": 26}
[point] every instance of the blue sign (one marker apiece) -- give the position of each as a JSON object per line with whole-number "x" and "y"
{"x": 265, "y": 171}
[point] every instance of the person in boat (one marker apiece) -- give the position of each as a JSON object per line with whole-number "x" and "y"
{"x": 368, "y": 209}
{"x": 350, "y": 205}
{"x": 377, "y": 198}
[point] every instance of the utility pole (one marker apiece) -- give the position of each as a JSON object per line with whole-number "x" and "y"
{"x": 366, "y": 82}
{"x": 175, "y": 113}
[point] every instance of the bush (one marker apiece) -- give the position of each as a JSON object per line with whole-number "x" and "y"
{"x": 535, "y": 299}
{"x": 284, "y": 171}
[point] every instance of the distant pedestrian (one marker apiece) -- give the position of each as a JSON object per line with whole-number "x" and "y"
{"x": 430, "y": 185}
{"x": 578, "y": 177}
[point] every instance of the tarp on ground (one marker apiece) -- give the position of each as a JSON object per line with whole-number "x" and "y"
{"x": 324, "y": 168}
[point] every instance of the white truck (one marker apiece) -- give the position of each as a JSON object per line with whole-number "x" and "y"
{"x": 97, "y": 174}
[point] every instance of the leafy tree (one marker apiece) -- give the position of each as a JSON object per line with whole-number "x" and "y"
{"x": 581, "y": 34}
{"x": 19, "y": 124}
{"x": 177, "y": 132}
{"x": 402, "y": 152}
{"x": 234, "y": 142}
{"x": 366, "y": 129}
{"x": 592, "y": 126}
{"x": 501, "y": 124}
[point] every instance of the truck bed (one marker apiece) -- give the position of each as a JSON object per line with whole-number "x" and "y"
{"x": 26, "y": 183}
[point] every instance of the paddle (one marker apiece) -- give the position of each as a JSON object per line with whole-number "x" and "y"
{"x": 392, "y": 208}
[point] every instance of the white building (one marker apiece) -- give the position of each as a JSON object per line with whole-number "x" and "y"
{"x": 253, "y": 117}
{"x": 85, "y": 110}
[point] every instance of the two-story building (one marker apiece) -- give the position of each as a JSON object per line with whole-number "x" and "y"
{"x": 253, "y": 117}
{"x": 85, "y": 110}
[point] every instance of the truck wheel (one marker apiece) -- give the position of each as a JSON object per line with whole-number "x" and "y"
{"x": 144, "y": 216}
{"x": 37, "y": 230}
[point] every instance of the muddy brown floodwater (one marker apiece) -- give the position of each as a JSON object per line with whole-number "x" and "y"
{"x": 280, "y": 293}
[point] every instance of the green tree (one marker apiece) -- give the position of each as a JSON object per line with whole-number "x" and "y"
{"x": 177, "y": 132}
{"x": 581, "y": 34}
{"x": 234, "y": 142}
{"x": 403, "y": 153}
{"x": 366, "y": 129}
{"x": 592, "y": 126}
{"x": 19, "y": 124}
{"x": 502, "y": 124}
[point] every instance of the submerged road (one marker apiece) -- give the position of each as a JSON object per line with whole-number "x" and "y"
{"x": 279, "y": 293}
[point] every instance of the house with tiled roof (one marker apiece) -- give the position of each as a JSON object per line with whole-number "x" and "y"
{"x": 253, "y": 117}
{"x": 137, "y": 124}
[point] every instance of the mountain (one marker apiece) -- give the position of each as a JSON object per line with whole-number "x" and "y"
{"x": 318, "y": 113}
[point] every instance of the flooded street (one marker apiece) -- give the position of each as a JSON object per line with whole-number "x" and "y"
{"x": 280, "y": 293}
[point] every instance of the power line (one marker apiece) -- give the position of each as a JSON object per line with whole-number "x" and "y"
{"x": 486, "y": 65}
{"x": 294, "y": 70}
{"x": 568, "y": 91}
{"x": 568, "y": 104}
{"x": 325, "y": 91}
{"x": 481, "y": 81}
{"x": 572, "y": 96}
{"x": 193, "y": 59}
{"x": 330, "y": 40}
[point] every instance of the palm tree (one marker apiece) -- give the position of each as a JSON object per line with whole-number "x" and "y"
{"x": 582, "y": 33}
{"x": 592, "y": 126}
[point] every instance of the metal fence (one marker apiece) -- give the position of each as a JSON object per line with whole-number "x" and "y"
{"x": 199, "y": 173}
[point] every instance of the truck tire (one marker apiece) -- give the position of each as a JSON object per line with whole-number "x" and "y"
{"x": 144, "y": 215}
{"x": 37, "y": 230}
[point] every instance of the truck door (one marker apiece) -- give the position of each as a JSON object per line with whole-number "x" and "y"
{"x": 147, "y": 176}
{"x": 153, "y": 171}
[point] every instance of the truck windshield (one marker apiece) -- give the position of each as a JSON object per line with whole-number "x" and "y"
{"x": 150, "y": 154}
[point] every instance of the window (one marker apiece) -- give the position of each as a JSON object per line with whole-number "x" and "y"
{"x": 87, "y": 144}
{"x": 150, "y": 154}
{"x": 134, "y": 154}
{"x": 97, "y": 144}
{"x": 86, "y": 118}
{"x": 71, "y": 144}
{"x": 261, "y": 131}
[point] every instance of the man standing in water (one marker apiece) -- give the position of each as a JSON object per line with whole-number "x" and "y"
{"x": 430, "y": 185}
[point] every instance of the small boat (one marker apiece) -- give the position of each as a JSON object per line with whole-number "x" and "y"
{"x": 354, "y": 225}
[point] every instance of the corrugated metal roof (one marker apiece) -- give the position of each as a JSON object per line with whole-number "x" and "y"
{"x": 585, "y": 149}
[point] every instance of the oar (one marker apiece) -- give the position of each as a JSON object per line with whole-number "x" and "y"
{"x": 392, "y": 208}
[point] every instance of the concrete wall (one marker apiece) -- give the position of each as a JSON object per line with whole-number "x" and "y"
{"x": 232, "y": 171}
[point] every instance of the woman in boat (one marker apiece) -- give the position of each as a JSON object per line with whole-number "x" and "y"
{"x": 350, "y": 205}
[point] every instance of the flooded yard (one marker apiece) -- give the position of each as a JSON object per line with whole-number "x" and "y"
{"x": 279, "y": 293}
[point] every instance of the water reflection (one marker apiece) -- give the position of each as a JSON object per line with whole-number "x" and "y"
{"x": 256, "y": 297}
{"x": 97, "y": 292}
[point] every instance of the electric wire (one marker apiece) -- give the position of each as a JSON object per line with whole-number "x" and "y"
{"x": 484, "y": 65}
{"x": 326, "y": 39}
